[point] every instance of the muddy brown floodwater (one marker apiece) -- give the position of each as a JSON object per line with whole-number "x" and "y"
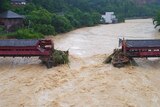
{"x": 86, "y": 81}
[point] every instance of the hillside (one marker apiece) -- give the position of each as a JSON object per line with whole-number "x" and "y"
{"x": 147, "y": 1}
{"x": 124, "y": 8}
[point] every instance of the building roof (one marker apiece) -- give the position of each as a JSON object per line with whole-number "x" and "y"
{"x": 11, "y": 15}
{"x": 18, "y": 0}
{"x": 15, "y": 42}
{"x": 143, "y": 43}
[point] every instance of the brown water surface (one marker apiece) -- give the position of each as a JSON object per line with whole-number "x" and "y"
{"x": 86, "y": 81}
{"x": 103, "y": 38}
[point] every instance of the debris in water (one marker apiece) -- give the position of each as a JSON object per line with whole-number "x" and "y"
{"x": 118, "y": 58}
{"x": 60, "y": 57}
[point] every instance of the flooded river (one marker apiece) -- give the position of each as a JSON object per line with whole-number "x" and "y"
{"x": 86, "y": 81}
{"x": 103, "y": 39}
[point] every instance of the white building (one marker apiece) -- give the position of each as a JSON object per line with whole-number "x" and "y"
{"x": 18, "y": 2}
{"x": 108, "y": 18}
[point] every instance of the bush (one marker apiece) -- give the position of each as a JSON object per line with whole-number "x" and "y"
{"x": 60, "y": 57}
{"x": 25, "y": 10}
{"x": 61, "y": 24}
{"x": 44, "y": 29}
{"x": 25, "y": 34}
{"x": 74, "y": 22}
{"x": 96, "y": 18}
{"x": 40, "y": 21}
{"x": 40, "y": 16}
{"x": 81, "y": 19}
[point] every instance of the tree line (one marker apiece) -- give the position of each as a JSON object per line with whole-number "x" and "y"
{"x": 50, "y": 17}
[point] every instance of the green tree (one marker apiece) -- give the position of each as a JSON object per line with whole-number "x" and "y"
{"x": 4, "y": 5}
{"x": 44, "y": 29}
{"x": 61, "y": 24}
{"x": 25, "y": 10}
{"x": 86, "y": 19}
{"x": 40, "y": 20}
{"x": 96, "y": 17}
{"x": 74, "y": 22}
{"x": 39, "y": 16}
{"x": 25, "y": 34}
{"x": 57, "y": 16}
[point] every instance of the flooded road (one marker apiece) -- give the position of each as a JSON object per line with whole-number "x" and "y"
{"x": 86, "y": 81}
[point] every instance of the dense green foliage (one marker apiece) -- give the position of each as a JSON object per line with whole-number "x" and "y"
{"x": 50, "y": 17}
{"x": 61, "y": 23}
{"x": 4, "y": 5}
{"x": 60, "y": 57}
{"x": 25, "y": 34}
{"x": 48, "y": 23}
{"x": 40, "y": 21}
{"x": 125, "y": 8}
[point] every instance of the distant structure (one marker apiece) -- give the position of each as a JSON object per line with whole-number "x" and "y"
{"x": 109, "y": 18}
{"x": 11, "y": 20}
{"x": 18, "y": 2}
